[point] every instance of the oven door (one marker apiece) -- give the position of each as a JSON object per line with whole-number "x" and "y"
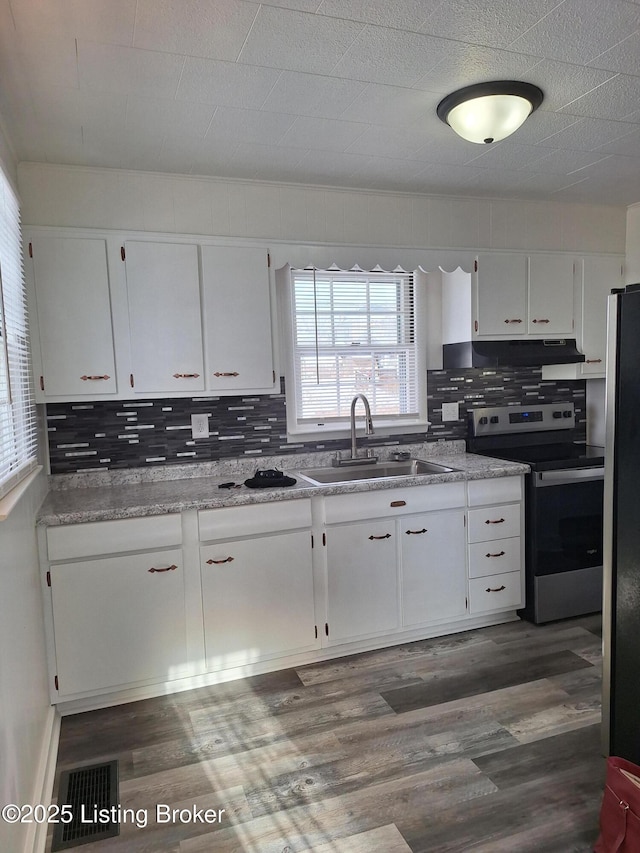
{"x": 564, "y": 547}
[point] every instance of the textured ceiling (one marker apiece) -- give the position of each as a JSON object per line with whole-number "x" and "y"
{"x": 335, "y": 92}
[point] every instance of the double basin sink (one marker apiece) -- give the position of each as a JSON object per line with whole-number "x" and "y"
{"x": 372, "y": 471}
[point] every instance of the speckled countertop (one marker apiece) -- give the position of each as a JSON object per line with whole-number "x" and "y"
{"x": 103, "y": 496}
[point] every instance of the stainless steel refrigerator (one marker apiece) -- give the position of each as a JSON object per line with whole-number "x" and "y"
{"x": 621, "y": 599}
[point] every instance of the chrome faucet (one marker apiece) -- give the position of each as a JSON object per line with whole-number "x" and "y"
{"x": 368, "y": 430}
{"x": 368, "y": 424}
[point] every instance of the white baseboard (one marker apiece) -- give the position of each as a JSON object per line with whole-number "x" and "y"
{"x": 36, "y": 839}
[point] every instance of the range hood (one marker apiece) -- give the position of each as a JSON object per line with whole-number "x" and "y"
{"x": 514, "y": 353}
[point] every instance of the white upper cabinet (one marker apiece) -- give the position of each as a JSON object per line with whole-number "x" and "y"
{"x": 550, "y": 293}
{"x": 237, "y": 319}
{"x": 599, "y": 276}
{"x": 524, "y": 295}
{"x": 75, "y": 357}
{"x": 510, "y": 295}
{"x": 163, "y": 291}
{"x": 501, "y": 296}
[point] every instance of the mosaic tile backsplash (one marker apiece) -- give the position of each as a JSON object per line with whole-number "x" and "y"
{"x": 135, "y": 433}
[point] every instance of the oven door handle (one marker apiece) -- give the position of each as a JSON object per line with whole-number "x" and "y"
{"x": 568, "y": 475}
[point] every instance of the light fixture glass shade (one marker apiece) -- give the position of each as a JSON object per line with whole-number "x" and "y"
{"x": 489, "y": 119}
{"x": 489, "y": 112}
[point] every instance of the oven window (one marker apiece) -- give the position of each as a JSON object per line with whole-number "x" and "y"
{"x": 567, "y": 527}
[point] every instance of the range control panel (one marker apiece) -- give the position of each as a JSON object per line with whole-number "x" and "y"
{"x": 498, "y": 420}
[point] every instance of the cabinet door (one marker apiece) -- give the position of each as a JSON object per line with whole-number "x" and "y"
{"x": 433, "y": 567}
{"x": 501, "y": 292}
{"x": 362, "y": 591}
{"x": 599, "y": 276}
{"x": 551, "y": 295}
{"x": 74, "y": 316}
{"x": 237, "y": 318}
{"x": 119, "y": 620}
{"x": 163, "y": 288}
{"x": 257, "y": 598}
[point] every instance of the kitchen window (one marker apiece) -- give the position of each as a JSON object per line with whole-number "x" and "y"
{"x": 354, "y": 332}
{"x": 17, "y": 410}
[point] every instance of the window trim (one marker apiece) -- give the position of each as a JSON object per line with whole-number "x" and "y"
{"x": 299, "y": 432}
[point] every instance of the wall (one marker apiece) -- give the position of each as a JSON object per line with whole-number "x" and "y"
{"x": 116, "y": 435}
{"x": 632, "y": 264}
{"x": 146, "y": 201}
{"x": 26, "y": 718}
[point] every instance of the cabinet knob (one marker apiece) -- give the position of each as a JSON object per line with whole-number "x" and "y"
{"x": 159, "y": 571}
{"x": 93, "y": 378}
{"x": 541, "y": 321}
{"x": 186, "y": 375}
{"x": 234, "y": 373}
{"x": 495, "y": 521}
{"x": 498, "y": 589}
{"x": 415, "y": 532}
{"x": 385, "y": 536}
{"x": 513, "y": 321}
{"x": 219, "y": 562}
{"x": 499, "y": 554}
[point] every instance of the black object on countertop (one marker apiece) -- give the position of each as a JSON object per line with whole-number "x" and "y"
{"x": 270, "y": 478}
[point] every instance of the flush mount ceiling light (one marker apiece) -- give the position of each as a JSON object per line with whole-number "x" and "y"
{"x": 489, "y": 112}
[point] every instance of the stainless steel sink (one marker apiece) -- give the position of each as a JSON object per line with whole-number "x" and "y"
{"x": 375, "y": 471}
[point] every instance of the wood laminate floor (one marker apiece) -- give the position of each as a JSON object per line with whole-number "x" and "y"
{"x": 487, "y": 741}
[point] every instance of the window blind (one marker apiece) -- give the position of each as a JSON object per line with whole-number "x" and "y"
{"x": 18, "y": 430}
{"x": 354, "y": 332}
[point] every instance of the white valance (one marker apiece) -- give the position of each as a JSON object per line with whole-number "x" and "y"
{"x": 371, "y": 258}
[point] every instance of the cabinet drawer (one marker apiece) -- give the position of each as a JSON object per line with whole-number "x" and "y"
{"x": 387, "y": 502}
{"x": 495, "y": 557}
{"x": 494, "y": 491}
{"x": 494, "y": 522}
{"x": 233, "y": 521}
{"x": 71, "y": 541}
{"x": 495, "y": 592}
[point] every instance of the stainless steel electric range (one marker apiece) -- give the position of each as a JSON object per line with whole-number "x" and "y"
{"x": 563, "y": 503}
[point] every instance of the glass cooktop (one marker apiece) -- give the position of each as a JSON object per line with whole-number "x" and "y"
{"x": 548, "y": 457}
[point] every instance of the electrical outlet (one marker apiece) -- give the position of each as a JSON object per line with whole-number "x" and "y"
{"x": 450, "y": 412}
{"x": 199, "y": 426}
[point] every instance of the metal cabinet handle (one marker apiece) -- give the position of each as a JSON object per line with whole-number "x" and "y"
{"x": 158, "y": 571}
{"x": 541, "y": 321}
{"x": 234, "y": 373}
{"x": 415, "y": 532}
{"x": 386, "y": 536}
{"x": 219, "y": 562}
{"x": 513, "y": 321}
{"x": 499, "y": 589}
{"x": 92, "y": 378}
{"x": 593, "y": 361}
{"x": 186, "y": 375}
{"x": 495, "y": 521}
{"x": 398, "y": 503}
{"x": 499, "y": 554}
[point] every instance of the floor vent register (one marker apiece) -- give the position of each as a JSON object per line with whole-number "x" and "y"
{"x": 92, "y": 795}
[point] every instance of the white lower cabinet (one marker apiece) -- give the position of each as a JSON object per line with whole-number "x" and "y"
{"x": 118, "y": 620}
{"x": 362, "y": 580}
{"x": 257, "y": 596}
{"x": 495, "y": 523}
{"x": 400, "y": 570}
{"x": 134, "y": 604}
{"x": 433, "y": 567}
